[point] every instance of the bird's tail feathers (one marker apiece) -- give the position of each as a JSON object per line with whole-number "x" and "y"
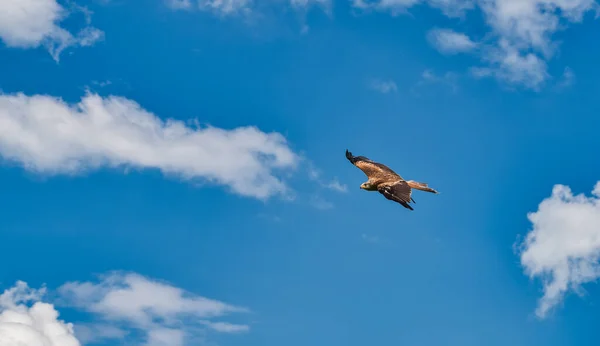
{"x": 420, "y": 186}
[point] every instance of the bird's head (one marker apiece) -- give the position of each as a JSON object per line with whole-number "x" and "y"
{"x": 366, "y": 186}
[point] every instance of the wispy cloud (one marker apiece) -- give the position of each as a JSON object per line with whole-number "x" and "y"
{"x": 269, "y": 217}
{"x": 117, "y": 304}
{"x": 320, "y": 203}
{"x": 179, "y": 4}
{"x": 35, "y": 23}
{"x": 370, "y": 238}
{"x": 452, "y": 8}
{"x": 102, "y": 83}
{"x": 97, "y": 332}
{"x": 450, "y": 42}
{"x": 429, "y": 77}
{"x": 383, "y": 86}
{"x": 334, "y": 184}
{"x": 240, "y": 7}
{"x": 563, "y": 247}
{"x": 226, "y": 7}
{"x": 519, "y": 42}
{"x": 226, "y": 327}
{"x": 567, "y": 79}
{"x": 128, "y": 300}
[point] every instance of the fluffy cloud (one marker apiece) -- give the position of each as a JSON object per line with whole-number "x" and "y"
{"x": 514, "y": 67}
{"x": 46, "y": 135}
{"x": 563, "y": 247}
{"x": 520, "y": 39}
{"x": 525, "y": 29}
{"x": 35, "y": 325}
{"x": 35, "y": 23}
{"x": 530, "y": 23}
{"x": 129, "y": 300}
{"x": 117, "y": 304}
{"x": 450, "y": 42}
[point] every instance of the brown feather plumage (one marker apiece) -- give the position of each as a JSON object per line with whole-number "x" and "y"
{"x": 387, "y": 182}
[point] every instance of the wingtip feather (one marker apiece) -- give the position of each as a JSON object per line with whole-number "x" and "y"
{"x": 349, "y": 156}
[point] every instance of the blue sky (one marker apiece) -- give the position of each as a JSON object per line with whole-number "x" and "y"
{"x": 173, "y": 173}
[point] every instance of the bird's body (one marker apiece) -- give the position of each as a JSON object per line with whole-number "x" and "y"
{"x": 387, "y": 182}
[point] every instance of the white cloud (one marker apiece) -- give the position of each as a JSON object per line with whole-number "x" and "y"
{"x": 129, "y": 300}
{"x": 514, "y": 67}
{"x": 568, "y": 78}
{"x": 89, "y": 36}
{"x": 91, "y": 333}
{"x": 315, "y": 175}
{"x": 383, "y": 86}
{"x": 131, "y": 297}
{"x": 307, "y": 3}
{"x": 117, "y": 304}
{"x": 35, "y": 325}
{"x": 225, "y": 327}
{"x": 450, "y": 42}
{"x": 35, "y": 23}
{"x": 452, "y": 8}
{"x": 524, "y": 29}
{"x": 530, "y": 23}
{"x": 179, "y": 4}
{"x": 226, "y": 7}
{"x": 46, "y": 135}
{"x": 520, "y": 35}
{"x": 370, "y": 238}
{"x": 563, "y": 247}
{"x": 237, "y": 7}
{"x": 316, "y": 200}
{"x": 320, "y": 203}
{"x": 165, "y": 337}
{"x": 385, "y": 4}
{"x": 429, "y": 77}
{"x": 336, "y": 186}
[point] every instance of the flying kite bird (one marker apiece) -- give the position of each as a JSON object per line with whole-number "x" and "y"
{"x": 386, "y": 181}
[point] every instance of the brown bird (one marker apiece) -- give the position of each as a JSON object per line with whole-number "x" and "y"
{"x": 386, "y": 181}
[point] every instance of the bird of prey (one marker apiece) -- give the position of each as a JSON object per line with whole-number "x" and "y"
{"x": 387, "y": 182}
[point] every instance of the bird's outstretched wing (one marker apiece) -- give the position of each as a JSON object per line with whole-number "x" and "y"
{"x": 398, "y": 191}
{"x": 372, "y": 168}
